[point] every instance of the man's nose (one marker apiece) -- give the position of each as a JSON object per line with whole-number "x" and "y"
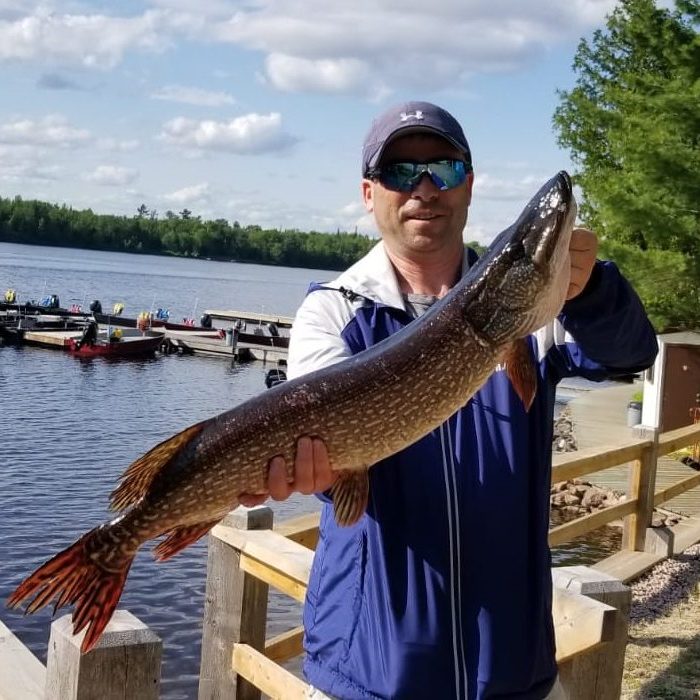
{"x": 426, "y": 189}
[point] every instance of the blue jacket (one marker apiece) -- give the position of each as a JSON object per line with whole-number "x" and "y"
{"x": 443, "y": 588}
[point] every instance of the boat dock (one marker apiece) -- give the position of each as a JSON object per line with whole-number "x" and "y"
{"x": 251, "y": 317}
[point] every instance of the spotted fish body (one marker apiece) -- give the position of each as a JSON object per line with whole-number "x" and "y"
{"x": 365, "y": 408}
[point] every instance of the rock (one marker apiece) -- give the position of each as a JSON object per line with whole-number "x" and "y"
{"x": 571, "y": 499}
{"x": 593, "y": 498}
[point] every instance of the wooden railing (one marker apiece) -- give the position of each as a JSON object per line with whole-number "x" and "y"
{"x": 246, "y": 556}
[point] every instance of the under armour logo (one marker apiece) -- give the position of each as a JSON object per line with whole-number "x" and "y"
{"x": 405, "y": 116}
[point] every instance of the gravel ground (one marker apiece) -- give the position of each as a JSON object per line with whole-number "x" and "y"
{"x": 663, "y": 651}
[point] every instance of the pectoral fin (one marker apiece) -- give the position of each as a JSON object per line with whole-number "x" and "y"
{"x": 521, "y": 370}
{"x": 350, "y": 494}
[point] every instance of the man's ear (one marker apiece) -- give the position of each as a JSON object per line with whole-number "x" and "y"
{"x": 367, "y": 194}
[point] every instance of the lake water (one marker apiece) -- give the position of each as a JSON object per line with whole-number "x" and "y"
{"x": 70, "y": 427}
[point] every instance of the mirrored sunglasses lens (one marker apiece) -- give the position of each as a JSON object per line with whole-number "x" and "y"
{"x": 447, "y": 174}
{"x": 402, "y": 177}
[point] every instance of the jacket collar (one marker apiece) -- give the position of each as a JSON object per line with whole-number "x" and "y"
{"x": 374, "y": 277}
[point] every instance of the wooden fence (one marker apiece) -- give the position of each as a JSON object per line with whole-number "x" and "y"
{"x": 247, "y": 555}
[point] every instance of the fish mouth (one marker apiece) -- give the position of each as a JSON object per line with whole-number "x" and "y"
{"x": 555, "y": 205}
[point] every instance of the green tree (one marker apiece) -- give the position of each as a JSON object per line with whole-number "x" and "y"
{"x": 632, "y": 125}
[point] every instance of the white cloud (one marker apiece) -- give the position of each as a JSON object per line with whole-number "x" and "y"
{"x": 248, "y": 134}
{"x": 89, "y": 40}
{"x": 22, "y": 163}
{"x": 123, "y": 145}
{"x": 195, "y": 194}
{"x": 193, "y": 96}
{"x": 53, "y": 130}
{"x": 365, "y": 47}
{"x": 321, "y": 46}
{"x": 295, "y": 74}
{"x": 112, "y": 175}
{"x": 489, "y": 187}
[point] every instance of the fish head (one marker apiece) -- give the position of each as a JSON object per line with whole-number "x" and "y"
{"x": 524, "y": 275}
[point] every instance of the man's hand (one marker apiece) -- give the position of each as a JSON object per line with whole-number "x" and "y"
{"x": 312, "y": 474}
{"x": 582, "y": 249}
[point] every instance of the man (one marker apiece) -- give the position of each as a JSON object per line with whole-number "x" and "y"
{"x": 443, "y": 588}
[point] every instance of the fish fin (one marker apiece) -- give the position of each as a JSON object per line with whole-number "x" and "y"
{"x": 139, "y": 476}
{"x": 180, "y": 537}
{"x": 520, "y": 368}
{"x": 350, "y": 494}
{"x": 75, "y": 577}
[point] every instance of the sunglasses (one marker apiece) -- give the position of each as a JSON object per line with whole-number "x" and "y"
{"x": 404, "y": 177}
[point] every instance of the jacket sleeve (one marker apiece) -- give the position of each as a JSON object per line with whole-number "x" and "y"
{"x": 604, "y": 331}
{"x": 316, "y": 336}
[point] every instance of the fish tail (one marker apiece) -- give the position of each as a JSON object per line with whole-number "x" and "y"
{"x": 75, "y": 577}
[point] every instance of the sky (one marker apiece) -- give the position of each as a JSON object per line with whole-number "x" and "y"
{"x": 255, "y": 110}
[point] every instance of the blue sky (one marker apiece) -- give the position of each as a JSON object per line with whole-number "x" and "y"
{"x": 255, "y": 110}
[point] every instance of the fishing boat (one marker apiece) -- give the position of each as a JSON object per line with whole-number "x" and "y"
{"x": 125, "y": 346}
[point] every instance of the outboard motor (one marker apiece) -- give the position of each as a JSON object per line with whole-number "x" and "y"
{"x": 89, "y": 335}
{"x": 205, "y": 321}
{"x": 96, "y": 307}
{"x": 275, "y": 377}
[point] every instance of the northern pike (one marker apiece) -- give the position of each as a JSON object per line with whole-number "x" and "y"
{"x": 365, "y": 408}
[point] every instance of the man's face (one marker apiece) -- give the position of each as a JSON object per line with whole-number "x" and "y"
{"x": 427, "y": 220}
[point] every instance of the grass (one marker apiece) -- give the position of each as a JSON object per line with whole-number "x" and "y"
{"x": 662, "y": 661}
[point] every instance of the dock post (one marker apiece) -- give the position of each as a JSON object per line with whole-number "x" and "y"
{"x": 124, "y": 664}
{"x": 598, "y": 673}
{"x": 235, "y": 610}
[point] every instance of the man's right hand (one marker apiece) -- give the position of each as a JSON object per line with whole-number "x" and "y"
{"x": 312, "y": 474}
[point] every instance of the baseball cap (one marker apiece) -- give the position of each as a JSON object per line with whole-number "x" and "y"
{"x": 406, "y": 118}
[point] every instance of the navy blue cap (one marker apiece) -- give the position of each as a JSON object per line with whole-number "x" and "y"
{"x": 407, "y": 118}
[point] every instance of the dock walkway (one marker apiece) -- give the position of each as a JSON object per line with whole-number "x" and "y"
{"x": 600, "y": 418}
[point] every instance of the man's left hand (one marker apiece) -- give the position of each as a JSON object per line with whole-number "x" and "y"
{"x": 582, "y": 249}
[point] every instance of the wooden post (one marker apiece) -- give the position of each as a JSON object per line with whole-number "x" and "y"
{"x": 124, "y": 664}
{"x": 598, "y": 673}
{"x": 659, "y": 540}
{"x": 235, "y": 610}
{"x": 642, "y": 483}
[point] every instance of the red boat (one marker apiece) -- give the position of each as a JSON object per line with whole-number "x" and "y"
{"x": 127, "y": 346}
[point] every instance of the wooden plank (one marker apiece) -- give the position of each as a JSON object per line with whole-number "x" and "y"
{"x": 302, "y": 529}
{"x": 628, "y": 565}
{"x": 676, "y": 489}
{"x": 22, "y": 675}
{"x": 686, "y": 533}
{"x": 574, "y": 464}
{"x": 673, "y": 440}
{"x": 268, "y": 555}
{"x": 272, "y": 679}
{"x": 580, "y": 526}
{"x": 286, "y": 645}
{"x": 580, "y": 623}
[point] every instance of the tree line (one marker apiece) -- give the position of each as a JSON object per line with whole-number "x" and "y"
{"x": 41, "y": 223}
